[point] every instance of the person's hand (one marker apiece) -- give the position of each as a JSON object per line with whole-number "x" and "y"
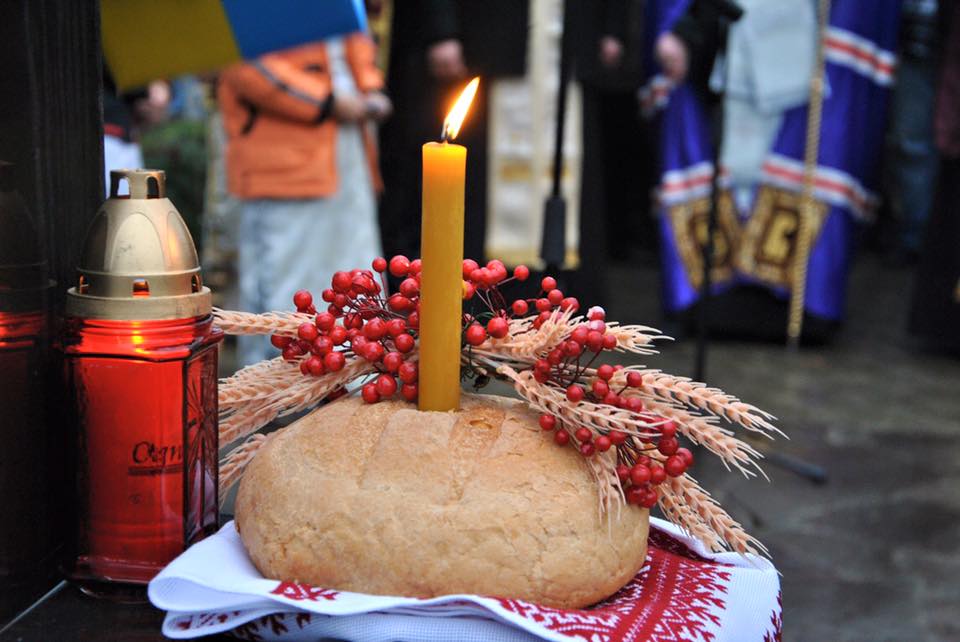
{"x": 445, "y": 60}
{"x": 379, "y": 107}
{"x": 611, "y": 51}
{"x": 671, "y": 53}
{"x": 348, "y": 108}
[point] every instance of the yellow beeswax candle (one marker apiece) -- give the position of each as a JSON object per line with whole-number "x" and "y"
{"x": 441, "y": 286}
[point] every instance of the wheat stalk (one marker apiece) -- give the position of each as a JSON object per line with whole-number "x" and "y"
{"x": 282, "y": 323}
{"x": 686, "y": 491}
{"x": 233, "y": 463}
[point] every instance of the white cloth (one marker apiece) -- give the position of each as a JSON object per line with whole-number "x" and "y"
{"x": 770, "y": 58}
{"x": 288, "y": 245}
{"x": 682, "y": 593}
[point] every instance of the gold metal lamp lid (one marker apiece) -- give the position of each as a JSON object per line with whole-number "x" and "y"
{"x": 139, "y": 261}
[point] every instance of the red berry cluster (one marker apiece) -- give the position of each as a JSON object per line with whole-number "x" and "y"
{"x": 362, "y": 321}
{"x": 564, "y": 368}
{"x": 484, "y": 284}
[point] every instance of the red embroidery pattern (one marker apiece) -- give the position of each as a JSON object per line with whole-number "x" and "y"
{"x": 203, "y": 620}
{"x": 776, "y": 618}
{"x": 681, "y": 594}
{"x": 298, "y": 592}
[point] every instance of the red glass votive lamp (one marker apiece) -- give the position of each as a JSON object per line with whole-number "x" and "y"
{"x": 141, "y": 364}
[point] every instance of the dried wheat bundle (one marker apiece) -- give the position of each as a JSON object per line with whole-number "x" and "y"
{"x": 233, "y": 463}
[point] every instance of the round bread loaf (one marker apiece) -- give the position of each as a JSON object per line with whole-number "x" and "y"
{"x": 385, "y": 499}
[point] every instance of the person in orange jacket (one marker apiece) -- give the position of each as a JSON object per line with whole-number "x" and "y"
{"x": 301, "y": 156}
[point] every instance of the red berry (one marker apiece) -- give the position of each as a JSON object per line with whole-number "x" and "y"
{"x": 302, "y": 299}
{"x": 541, "y": 365}
{"x": 644, "y": 460}
{"x": 334, "y": 361}
{"x": 315, "y": 365}
{"x": 340, "y": 300}
{"x": 375, "y": 329}
{"x": 416, "y": 265}
{"x": 409, "y": 288}
{"x": 668, "y": 429}
{"x": 307, "y": 331}
{"x": 639, "y": 474}
{"x": 675, "y": 466}
{"x": 686, "y": 455}
{"x": 555, "y": 297}
{"x": 469, "y": 265}
{"x": 399, "y": 265}
{"x": 292, "y": 351}
{"x": 583, "y": 434}
{"x": 540, "y": 376}
{"x": 650, "y": 498}
{"x": 580, "y": 334}
{"x": 544, "y": 305}
{"x": 572, "y": 348}
{"x": 321, "y": 345}
{"x": 408, "y": 372}
{"x": 657, "y": 473}
{"x": 476, "y": 276}
{"x": 594, "y": 340}
{"x": 334, "y": 310}
{"x": 279, "y": 341}
{"x": 613, "y": 399}
{"x": 386, "y": 385}
{"x": 596, "y": 313}
{"x": 603, "y": 443}
{"x": 548, "y": 283}
{"x": 635, "y": 495}
{"x": 609, "y": 342}
{"x": 409, "y": 391}
{"x": 304, "y": 367}
{"x": 570, "y": 303}
{"x": 520, "y": 307}
{"x": 575, "y": 393}
{"x": 325, "y": 321}
{"x": 304, "y": 346}
{"x": 668, "y": 445}
{"x": 634, "y": 379}
{"x": 328, "y": 295}
{"x": 587, "y": 449}
{"x": 618, "y": 438}
{"x": 469, "y": 290}
{"x": 392, "y": 361}
{"x": 497, "y": 327}
{"x": 597, "y": 326}
{"x": 353, "y": 320}
{"x": 605, "y": 372}
{"x": 342, "y": 281}
{"x": 600, "y": 388}
{"x": 633, "y": 404}
{"x": 623, "y": 472}
{"x": 475, "y": 334}
{"x": 555, "y": 356}
{"x": 399, "y": 303}
{"x": 542, "y": 318}
{"x": 396, "y": 327}
{"x": 521, "y": 272}
{"x": 413, "y": 319}
{"x": 548, "y": 422}
{"x": 562, "y": 437}
{"x": 379, "y": 264}
{"x": 338, "y": 334}
{"x": 369, "y": 393}
{"x": 373, "y": 352}
{"x": 404, "y": 342}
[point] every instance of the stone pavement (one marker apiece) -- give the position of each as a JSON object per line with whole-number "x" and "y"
{"x": 875, "y": 553}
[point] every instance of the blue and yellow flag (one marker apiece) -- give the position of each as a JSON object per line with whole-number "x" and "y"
{"x": 148, "y": 39}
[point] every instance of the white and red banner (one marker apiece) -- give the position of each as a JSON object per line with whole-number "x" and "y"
{"x": 682, "y": 593}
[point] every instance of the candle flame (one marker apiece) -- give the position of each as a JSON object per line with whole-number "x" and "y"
{"x": 451, "y": 125}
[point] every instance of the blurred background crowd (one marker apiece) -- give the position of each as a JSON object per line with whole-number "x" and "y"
{"x": 306, "y": 161}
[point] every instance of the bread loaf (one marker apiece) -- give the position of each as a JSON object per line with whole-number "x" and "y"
{"x": 385, "y": 499}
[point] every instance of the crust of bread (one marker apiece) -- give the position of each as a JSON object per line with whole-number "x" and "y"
{"x": 385, "y": 499}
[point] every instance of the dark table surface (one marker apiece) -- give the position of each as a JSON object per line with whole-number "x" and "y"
{"x": 67, "y": 615}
